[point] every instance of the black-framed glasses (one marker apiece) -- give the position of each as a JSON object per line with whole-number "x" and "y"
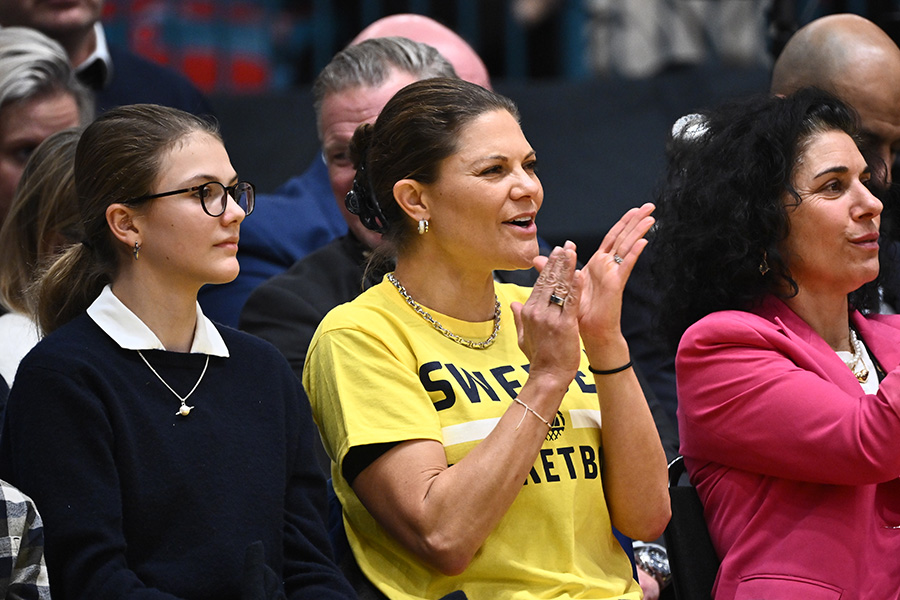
{"x": 214, "y": 196}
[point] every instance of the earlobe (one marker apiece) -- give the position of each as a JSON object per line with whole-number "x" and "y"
{"x": 410, "y": 195}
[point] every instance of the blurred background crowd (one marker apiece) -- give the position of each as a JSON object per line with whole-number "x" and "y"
{"x": 599, "y": 82}
{"x": 253, "y": 46}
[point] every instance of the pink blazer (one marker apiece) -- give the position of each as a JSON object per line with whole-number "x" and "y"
{"x": 796, "y": 466}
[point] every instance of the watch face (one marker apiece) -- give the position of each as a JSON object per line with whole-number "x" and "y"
{"x": 659, "y": 562}
{"x": 655, "y": 561}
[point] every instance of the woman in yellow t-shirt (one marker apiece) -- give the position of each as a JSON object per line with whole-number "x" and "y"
{"x": 439, "y": 393}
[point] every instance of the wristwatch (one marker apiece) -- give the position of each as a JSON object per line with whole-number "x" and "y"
{"x": 653, "y": 559}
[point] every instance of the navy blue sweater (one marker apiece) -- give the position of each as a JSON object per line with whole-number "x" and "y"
{"x": 139, "y": 502}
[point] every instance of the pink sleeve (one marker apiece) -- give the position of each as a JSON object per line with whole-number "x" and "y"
{"x": 755, "y": 398}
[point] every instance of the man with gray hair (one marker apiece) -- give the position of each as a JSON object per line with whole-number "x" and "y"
{"x": 287, "y": 309}
{"x": 352, "y": 90}
{"x": 308, "y": 211}
{"x": 39, "y": 95}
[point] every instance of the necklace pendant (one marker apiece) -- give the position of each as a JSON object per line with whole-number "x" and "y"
{"x": 862, "y": 373}
{"x": 185, "y": 410}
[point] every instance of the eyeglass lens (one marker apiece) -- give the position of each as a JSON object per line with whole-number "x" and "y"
{"x": 215, "y": 200}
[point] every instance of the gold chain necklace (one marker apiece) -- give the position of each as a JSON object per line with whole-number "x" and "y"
{"x": 456, "y": 338}
{"x": 185, "y": 410}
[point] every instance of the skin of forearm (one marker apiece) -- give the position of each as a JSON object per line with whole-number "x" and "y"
{"x": 634, "y": 472}
{"x": 421, "y": 506}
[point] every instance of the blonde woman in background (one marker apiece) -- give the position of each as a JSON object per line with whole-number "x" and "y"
{"x": 43, "y": 218}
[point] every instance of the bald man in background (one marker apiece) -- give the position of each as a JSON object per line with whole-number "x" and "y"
{"x": 307, "y": 212}
{"x": 855, "y": 60}
{"x": 419, "y": 28}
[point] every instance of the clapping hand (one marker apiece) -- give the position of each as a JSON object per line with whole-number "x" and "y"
{"x": 605, "y": 275}
{"x": 566, "y": 302}
{"x": 547, "y": 323}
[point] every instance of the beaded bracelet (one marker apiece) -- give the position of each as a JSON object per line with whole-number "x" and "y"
{"x": 528, "y": 409}
{"x": 611, "y": 371}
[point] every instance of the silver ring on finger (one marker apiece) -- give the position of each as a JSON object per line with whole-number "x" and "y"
{"x": 560, "y": 301}
{"x": 618, "y": 259}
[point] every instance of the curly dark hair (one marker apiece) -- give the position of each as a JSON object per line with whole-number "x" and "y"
{"x": 722, "y": 212}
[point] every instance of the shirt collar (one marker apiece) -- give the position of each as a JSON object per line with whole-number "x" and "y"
{"x": 101, "y": 53}
{"x": 130, "y": 333}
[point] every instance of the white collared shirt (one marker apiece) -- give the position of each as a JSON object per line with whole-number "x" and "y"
{"x": 101, "y": 53}
{"x": 130, "y": 333}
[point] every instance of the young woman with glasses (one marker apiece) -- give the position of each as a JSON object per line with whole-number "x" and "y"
{"x": 171, "y": 458}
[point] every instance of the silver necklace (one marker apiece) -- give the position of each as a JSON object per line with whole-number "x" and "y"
{"x": 185, "y": 410}
{"x": 447, "y": 333}
{"x": 857, "y": 365}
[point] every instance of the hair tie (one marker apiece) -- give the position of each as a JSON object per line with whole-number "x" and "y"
{"x": 627, "y": 365}
{"x": 87, "y": 245}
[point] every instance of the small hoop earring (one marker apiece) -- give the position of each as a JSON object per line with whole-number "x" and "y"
{"x": 423, "y": 226}
{"x": 764, "y": 265}
{"x": 137, "y": 250}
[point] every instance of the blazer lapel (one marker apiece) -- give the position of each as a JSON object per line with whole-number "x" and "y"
{"x": 879, "y": 338}
{"x": 823, "y": 359}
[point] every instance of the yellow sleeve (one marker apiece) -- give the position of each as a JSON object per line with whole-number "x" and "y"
{"x": 365, "y": 389}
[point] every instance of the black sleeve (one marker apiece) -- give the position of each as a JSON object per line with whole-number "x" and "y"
{"x": 309, "y": 567}
{"x": 640, "y": 309}
{"x": 4, "y": 394}
{"x": 360, "y": 457}
{"x": 58, "y": 449}
{"x": 279, "y": 315}
{"x": 668, "y": 435}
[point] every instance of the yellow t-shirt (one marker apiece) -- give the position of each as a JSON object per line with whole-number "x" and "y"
{"x": 378, "y": 372}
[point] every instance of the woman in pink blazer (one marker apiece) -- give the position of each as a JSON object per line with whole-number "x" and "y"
{"x": 788, "y": 387}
